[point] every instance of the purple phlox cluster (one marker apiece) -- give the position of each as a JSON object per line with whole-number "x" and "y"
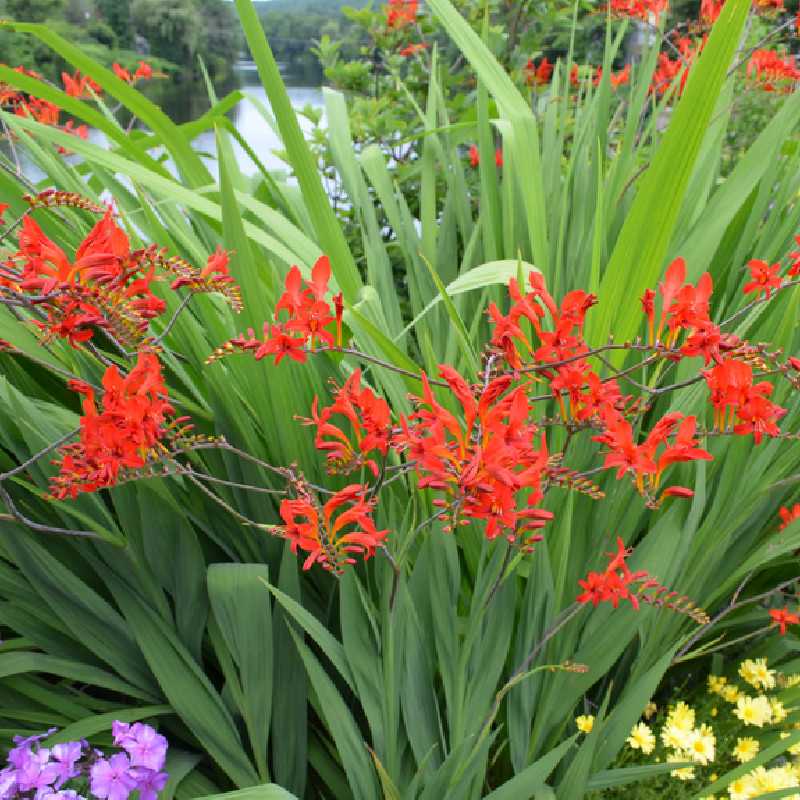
{"x": 40, "y": 772}
{"x": 138, "y": 769}
{"x": 34, "y": 772}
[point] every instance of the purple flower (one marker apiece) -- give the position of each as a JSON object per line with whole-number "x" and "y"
{"x": 8, "y": 783}
{"x": 65, "y": 756}
{"x": 149, "y": 782}
{"x": 65, "y": 794}
{"x": 36, "y": 771}
{"x": 111, "y": 778}
{"x": 145, "y": 747}
{"x": 119, "y": 730}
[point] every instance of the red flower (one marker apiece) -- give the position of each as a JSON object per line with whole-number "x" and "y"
{"x": 78, "y": 85}
{"x": 323, "y": 532}
{"x": 122, "y": 73}
{"x": 538, "y": 75}
{"x": 279, "y": 344}
{"x": 412, "y": 49}
{"x": 3, "y": 208}
{"x": 121, "y": 436}
{"x": 642, "y": 9}
{"x": 731, "y": 385}
{"x": 706, "y": 341}
{"x": 763, "y": 277}
{"x": 370, "y": 421}
{"x": 481, "y": 462}
{"x": 144, "y": 71}
{"x": 498, "y": 157}
{"x": 710, "y": 11}
{"x": 789, "y": 515}
{"x": 794, "y": 267}
{"x": 614, "y": 584}
{"x": 643, "y": 460}
{"x": 400, "y": 13}
{"x": 474, "y": 156}
{"x": 782, "y": 617}
{"x": 772, "y": 71}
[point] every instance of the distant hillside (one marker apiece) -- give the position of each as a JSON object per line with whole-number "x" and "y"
{"x": 302, "y": 6}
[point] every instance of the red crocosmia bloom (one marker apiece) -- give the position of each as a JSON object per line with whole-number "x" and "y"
{"x": 105, "y": 285}
{"x": 574, "y": 76}
{"x": 649, "y": 307}
{"x": 505, "y": 332}
{"x": 677, "y": 491}
{"x": 621, "y": 78}
{"x": 732, "y": 388}
{"x": 309, "y": 313}
{"x": 710, "y": 11}
{"x": 498, "y": 158}
{"x": 705, "y": 341}
{"x": 623, "y": 452}
{"x": 412, "y": 49}
{"x": 124, "y": 435}
{"x": 773, "y": 71}
{"x": 78, "y": 85}
{"x": 759, "y": 416}
{"x": 3, "y": 208}
{"x": 684, "y": 446}
{"x": 217, "y": 263}
{"x": 615, "y": 584}
{"x": 370, "y": 421}
{"x": 763, "y": 277}
{"x": 332, "y": 533}
{"x": 312, "y": 321}
{"x": 538, "y": 75}
{"x": 618, "y": 583}
{"x": 794, "y": 256}
{"x": 782, "y": 617}
{"x": 689, "y": 309}
{"x": 481, "y": 461}
{"x": 293, "y": 297}
{"x": 144, "y": 71}
{"x": 673, "y": 282}
{"x": 122, "y": 73}
{"x": 320, "y": 275}
{"x": 641, "y": 9}
{"x": 673, "y": 432}
{"x": 400, "y": 13}
{"x": 789, "y": 515}
{"x": 474, "y": 156}
{"x": 280, "y": 344}
{"x": 338, "y": 304}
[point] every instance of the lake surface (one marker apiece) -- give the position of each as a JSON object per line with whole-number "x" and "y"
{"x": 184, "y": 102}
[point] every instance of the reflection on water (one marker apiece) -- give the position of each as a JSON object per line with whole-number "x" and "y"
{"x": 187, "y": 101}
{"x": 250, "y": 123}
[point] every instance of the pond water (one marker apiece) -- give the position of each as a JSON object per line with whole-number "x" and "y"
{"x": 186, "y": 101}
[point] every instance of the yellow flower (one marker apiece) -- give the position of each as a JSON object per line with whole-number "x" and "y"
{"x": 585, "y": 723}
{"x": 716, "y": 683}
{"x": 682, "y": 717}
{"x": 779, "y": 713}
{"x": 683, "y": 773}
{"x": 753, "y": 710}
{"x": 746, "y": 748}
{"x": 792, "y": 680}
{"x": 740, "y": 789}
{"x": 756, "y": 673}
{"x": 701, "y": 745}
{"x": 714, "y": 712}
{"x": 730, "y": 693}
{"x": 674, "y": 738}
{"x": 649, "y": 710}
{"x": 642, "y": 738}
